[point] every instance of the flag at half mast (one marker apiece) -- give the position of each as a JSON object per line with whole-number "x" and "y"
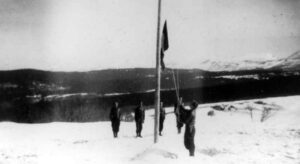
{"x": 164, "y": 45}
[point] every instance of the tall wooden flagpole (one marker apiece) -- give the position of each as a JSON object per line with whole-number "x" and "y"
{"x": 158, "y": 69}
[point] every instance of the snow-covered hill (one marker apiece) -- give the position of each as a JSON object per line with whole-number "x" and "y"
{"x": 290, "y": 63}
{"x": 237, "y": 65}
{"x": 231, "y": 136}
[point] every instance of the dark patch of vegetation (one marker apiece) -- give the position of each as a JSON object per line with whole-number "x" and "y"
{"x": 23, "y": 93}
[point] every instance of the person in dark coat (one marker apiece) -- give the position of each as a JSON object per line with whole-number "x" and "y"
{"x": 162, "y": 116}
{"x": 115, "y": 117}
{"x": 189, "y": 118}
{"x": 179, "y": 124}
{"x": 139, "y": 115}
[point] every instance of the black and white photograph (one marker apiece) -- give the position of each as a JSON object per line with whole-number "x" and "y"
{"x": 149, "y": 81}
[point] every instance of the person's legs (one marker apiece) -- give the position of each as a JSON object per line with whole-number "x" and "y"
{"x": 192, "y": 143}
{"x": 161, "y": 125}
{"x": 113, "y": 127}
{"x": 137, "y": 129}
{"x": 141, "y": 128}
{"x": 186, "y": 138}
{"x": 117, "y": 127}
{"x": 189, "y": 143}
{"x": 179, "y": 126}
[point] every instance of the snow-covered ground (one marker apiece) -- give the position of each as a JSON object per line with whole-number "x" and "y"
{"x": 228, "y": 137}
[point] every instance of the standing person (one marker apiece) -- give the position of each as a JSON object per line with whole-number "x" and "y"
{"x": 115, "y": 118}
{"x": 139, "y": 115}
{"x": 162, "y": 116}
{"x": 189, "y": 118}
{"x": 179, "y": 124}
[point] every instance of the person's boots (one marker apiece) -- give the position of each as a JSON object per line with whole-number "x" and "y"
{"x": 192, "y": 153}
{"x": 115, "y": 135}
{"x": 179, "y": 130}
{"x": 160, "y": 133}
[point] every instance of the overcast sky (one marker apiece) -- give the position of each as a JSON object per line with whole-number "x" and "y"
{"x": 80, "y": 35}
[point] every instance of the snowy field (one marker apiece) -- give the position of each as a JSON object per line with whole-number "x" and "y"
{"x": 228, "y": 137}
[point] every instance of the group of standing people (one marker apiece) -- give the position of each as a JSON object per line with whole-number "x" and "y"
{"x": 139, "y": 117}
{"x": 183, "y": 116}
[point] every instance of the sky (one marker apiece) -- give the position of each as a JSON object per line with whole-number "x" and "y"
{"x": 77, "y": 35}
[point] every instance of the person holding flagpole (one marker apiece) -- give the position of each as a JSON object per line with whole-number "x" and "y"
{"x": 188, "y": 116}
{"x": 179, "y": 124}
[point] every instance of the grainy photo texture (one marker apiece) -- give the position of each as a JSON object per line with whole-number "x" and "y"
{"x": 149, "y": 81}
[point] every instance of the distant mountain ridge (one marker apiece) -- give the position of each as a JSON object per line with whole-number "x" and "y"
{"x": 292, "y": 62}
{"x": 136, "y": 80}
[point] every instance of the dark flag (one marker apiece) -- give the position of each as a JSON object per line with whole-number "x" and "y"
{"x": 164, "y": 45}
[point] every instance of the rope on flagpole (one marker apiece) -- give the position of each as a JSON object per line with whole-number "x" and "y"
{"x": 177, "y": 81}
{"x": 175, "y": 85}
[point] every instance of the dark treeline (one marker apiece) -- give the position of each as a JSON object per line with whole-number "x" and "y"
{"x": 205, "y": 87}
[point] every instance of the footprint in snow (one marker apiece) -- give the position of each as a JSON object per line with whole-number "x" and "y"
{"x": 212, "y": 151}
{"x": 80, "y": 142}
{"x": 156, "y": 152}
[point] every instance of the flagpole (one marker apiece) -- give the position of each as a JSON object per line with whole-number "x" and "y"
{"x": 157, "y": 93}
